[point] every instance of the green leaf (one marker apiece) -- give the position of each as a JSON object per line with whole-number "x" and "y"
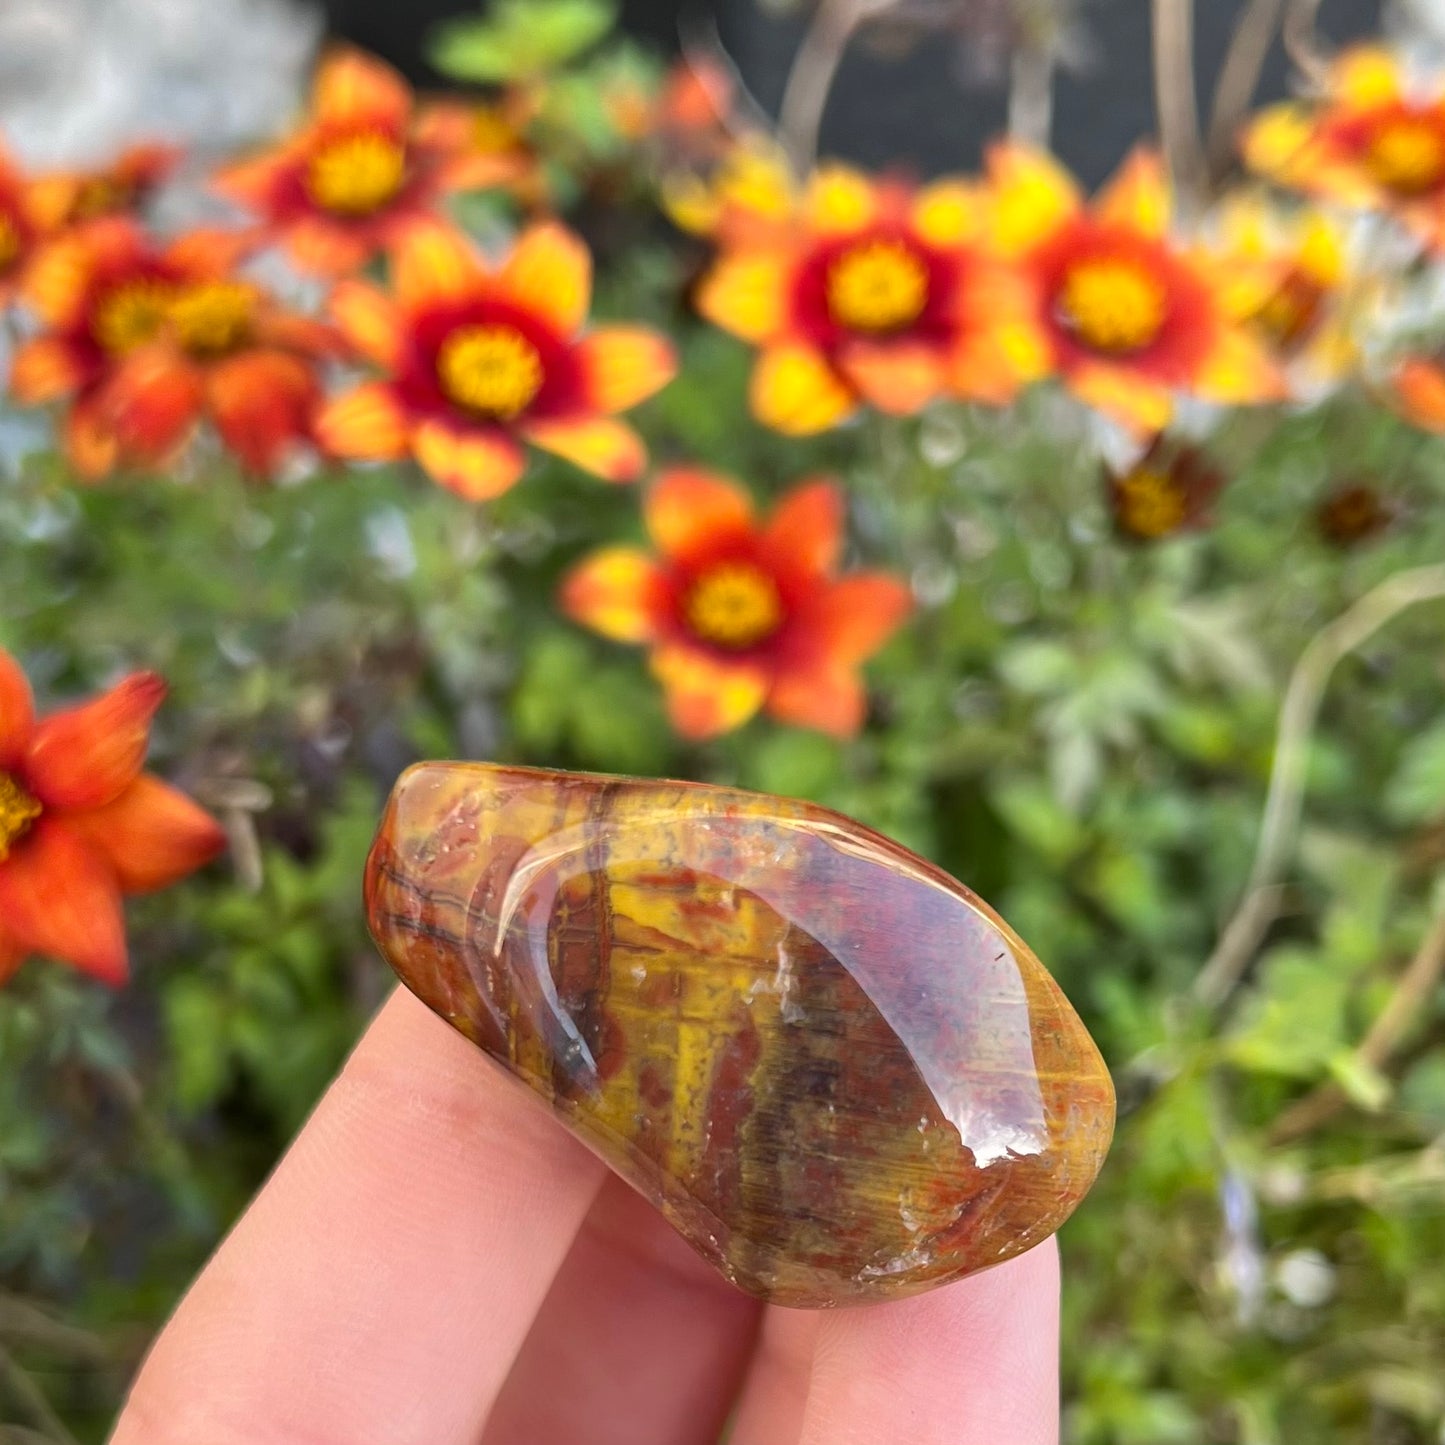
{"x": 1416, "y": 793}
{"x": 520, "y": 39}
{"x": 1294, "y": 1022}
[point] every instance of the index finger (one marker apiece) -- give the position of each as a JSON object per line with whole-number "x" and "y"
{"x": 378, "y": 1290}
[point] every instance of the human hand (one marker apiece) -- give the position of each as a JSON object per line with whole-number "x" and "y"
{"x": 435, "y": 1263}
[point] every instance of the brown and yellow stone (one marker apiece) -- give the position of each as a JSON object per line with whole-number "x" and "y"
{"x": 835, "y": 1070}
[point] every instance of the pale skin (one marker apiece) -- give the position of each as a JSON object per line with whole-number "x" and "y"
{"x": 436, "y": 1262}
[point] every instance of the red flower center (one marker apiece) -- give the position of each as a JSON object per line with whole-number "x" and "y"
{"x": 1407, "y": 155}
{"x": 130, "y": 315}
{"x": 492, "y": 370}
{"x": 877, "y": 286}
{"x": 734, "y": 605}
{"x": 1112, "y": 304}
{"x": 355, "y": 175}
{"x": 18, "y": 812}
{"x": 213, "y": 317}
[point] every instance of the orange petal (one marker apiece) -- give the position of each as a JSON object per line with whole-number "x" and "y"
{"x": 1030, "y": 196}
{"x": 433, "y": 263}
{"x": 253, "y": 182}
{"x": 830, "y": 699}
{"x": 899, "y": 378}
{"x": 856, "y": 615}
{"x": 1138, "y": 195}
{"x": 262, "y": 403}
{"x": 615, "y": 591}
{"x": 1143, "y": 406}
{"x": 210, "y": 252}
{"x": 475, "y": 464}
{"x": 991, "y": 363}
{"x": 608, "y": 449}
{"x": 57, "y": 282}
{"x": 705, "y": 695}
{"x": 152, "y": 835}
{"x": 623, "y": 365}
{"x": 689, "y": 509}
{"x": 795, "y": 391}
{"x": 550, "y": 273}
{"x": 58, "y": 897}
{"x": 152, "y": 403}
{"x": 805, "y": 530}
{"x": 85, "y": 756}
{"x": 745, "y": 293}
{"x": 366, "y": 424}
{"x": 90, "y": 445}
{"x": 369, "y": 321}
{"x": 323, "y": 248}
{"x": 17, "y": 713}
{"x": 353, "y": 86}
{"x": 1420, "y": 393}
{"x": 45, "y": 368}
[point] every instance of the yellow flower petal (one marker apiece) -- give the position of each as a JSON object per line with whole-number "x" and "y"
{"x": 367, "y": 424}
{"x": 550, "y": 272}
{"x": 950, "y": 212}
{"x": 705, "y": 695}
{"x": 607, "y": 448}
{"x": 614, "y": 591}
{"x": 1030, "y": 196}
{"x": 795, "y": 391}
{"x": 1144, "y": 407}
{"x": 433, "y": 263}
{"x": 1239, "y": 370}
{"x": 1365, "y": 75}
{"x": 898, "y": 378}
{"x": 745, "y": 293}
{"x": 369, "y": 320}
{"x": 623, "y": 365}
{"x": 475, "y": 464}
{"x": 1138, "y": 195}
{"x": 839, "y": 198}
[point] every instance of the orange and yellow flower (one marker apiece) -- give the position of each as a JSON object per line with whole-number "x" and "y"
{"x": 1292, "y": 279}
{"x": 148, "y": 341}
{"x": 81, "y": 824}
{"x": 1373, "y": 139}
{"x": 874, "y": 294}
{"x": 479, "y": 360}
{"x": 742, "y": 615}
{"x": 30, "y": 211}
{"x": 1124, "y": 314}
{"x": 121, "y": 187}
{"x": 337, "y": 191}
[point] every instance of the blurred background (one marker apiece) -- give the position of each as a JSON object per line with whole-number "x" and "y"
{"x": 1171, "y": 696}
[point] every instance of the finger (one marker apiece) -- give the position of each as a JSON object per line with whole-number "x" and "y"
{"x": 379, "y": 1288}
{"x": 651, "y": 1343}
{"x": 775, "y": 1395}
{"x": 973, "y": 1361}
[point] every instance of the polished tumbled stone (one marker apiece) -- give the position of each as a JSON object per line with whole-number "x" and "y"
{"x": 833, "y": 1068}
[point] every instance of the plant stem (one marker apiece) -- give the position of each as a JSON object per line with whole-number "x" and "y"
{"x": 1174, "y": 98}
{"x": 1334, "y": 642}
{"x": 1239, "y": 78}
{"x": 1410, "y": 995}
{"x": 1031, "y": 96}
{"x": 28, "y": 1394}
{"x": 815, "y": 67}
{"x": 1301, "y": 39}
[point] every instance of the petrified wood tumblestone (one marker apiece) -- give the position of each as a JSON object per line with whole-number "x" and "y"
{"x": 835, "y": 1070}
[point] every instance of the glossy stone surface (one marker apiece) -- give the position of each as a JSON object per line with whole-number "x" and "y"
{"x": 834, "y": 1069}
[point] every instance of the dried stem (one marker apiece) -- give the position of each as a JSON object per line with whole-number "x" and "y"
{"x": 1352, "y": 629}
{"x": 1031, "y": 95}
{"x": 702, "y": 45}
{"x": 1254, "y": 32}
{"x": 814, "y": 69}
{"x": 1174, "y": 97}
{"x": 1385, "y": 1035}
{"x": 1302, "y": 40}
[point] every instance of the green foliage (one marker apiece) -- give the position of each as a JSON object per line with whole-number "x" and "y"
{"x": 520, "y": 40}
